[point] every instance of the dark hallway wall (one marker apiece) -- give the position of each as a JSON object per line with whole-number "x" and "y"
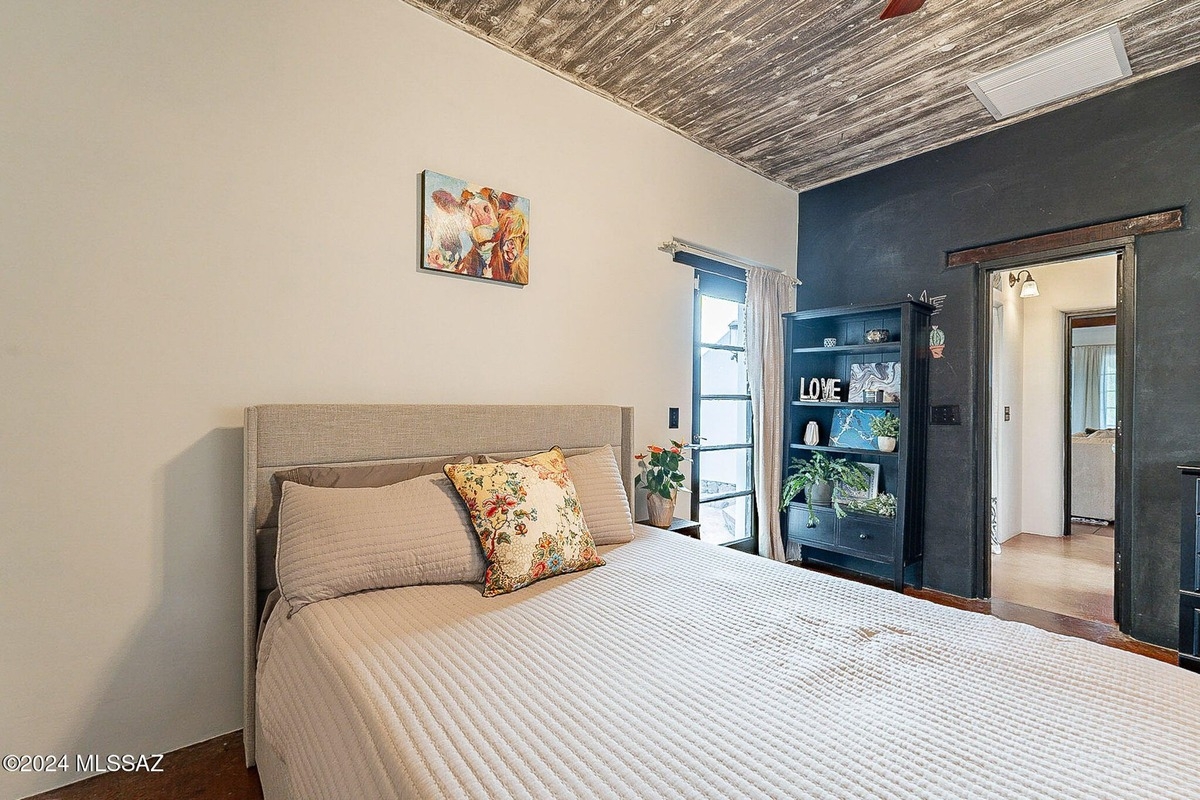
{"x": 883, "y": 235}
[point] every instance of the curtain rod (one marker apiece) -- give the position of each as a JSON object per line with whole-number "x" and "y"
{"x": 674, "y": 245}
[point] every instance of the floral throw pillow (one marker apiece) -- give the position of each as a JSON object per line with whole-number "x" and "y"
{"x": 528, "y": 519}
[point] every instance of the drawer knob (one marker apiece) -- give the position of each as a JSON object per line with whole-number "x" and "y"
{"x": 862, "y": 536}
{"x": 812, "y": 522}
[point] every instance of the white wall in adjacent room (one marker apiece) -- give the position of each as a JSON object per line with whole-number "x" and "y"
{"x": 1084, "y": 285}
{"x": 1008, "y": 358}
{"x": 211, "y": 205}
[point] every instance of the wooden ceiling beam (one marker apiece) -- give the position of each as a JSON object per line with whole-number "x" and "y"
{"x": 1104, "y": 232}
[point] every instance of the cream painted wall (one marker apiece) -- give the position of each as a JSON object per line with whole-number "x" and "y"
{"x": 1066, "y": 287}
{"x": 210, "y": 205}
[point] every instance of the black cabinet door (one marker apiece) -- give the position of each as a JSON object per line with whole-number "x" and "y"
{"x": 1189, "y": 632}
{"x": 870, "y": 538}
{"x": 1189, "y": 571}
{"x": 818, "y": 529}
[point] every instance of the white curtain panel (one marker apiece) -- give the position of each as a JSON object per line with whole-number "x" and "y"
{"x": 1088, "y": 392}
{"x": 769, "y": 295}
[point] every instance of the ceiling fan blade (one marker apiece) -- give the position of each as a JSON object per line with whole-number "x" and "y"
{"x": 896, "y": 8}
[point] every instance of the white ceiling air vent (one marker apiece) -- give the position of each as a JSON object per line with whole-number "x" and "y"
{"x": 1063, "y": 71}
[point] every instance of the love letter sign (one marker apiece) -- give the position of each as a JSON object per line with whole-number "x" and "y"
{"x": 821, "y": 389}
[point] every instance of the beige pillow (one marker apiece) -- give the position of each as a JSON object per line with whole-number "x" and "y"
{"x": 353, "y": 476}
{"x": 528, "y": 519}
{"x": 334, "y": 542}
{"x": 597, "y": 480}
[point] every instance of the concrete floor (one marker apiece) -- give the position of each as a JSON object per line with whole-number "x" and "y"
{"x": 1071, "y": 575}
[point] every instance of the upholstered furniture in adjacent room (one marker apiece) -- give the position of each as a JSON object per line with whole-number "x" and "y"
{"x": 1094, "y": 474}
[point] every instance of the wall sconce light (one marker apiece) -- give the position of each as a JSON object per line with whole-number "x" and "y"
{"x": 1028, "y": 286}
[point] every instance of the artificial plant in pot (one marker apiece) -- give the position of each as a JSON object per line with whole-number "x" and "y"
{"x": 885, "y": 429}
{"x": 662, "y": 478}
{"x": 816, "y": 477}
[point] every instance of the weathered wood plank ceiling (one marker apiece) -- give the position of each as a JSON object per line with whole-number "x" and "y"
{"x": 806, "y": 92}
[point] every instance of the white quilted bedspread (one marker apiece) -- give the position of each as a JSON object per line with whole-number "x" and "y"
{"x": 683, "y": 670}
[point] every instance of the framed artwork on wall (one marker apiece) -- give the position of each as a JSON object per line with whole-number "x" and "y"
{"x": 474, "y": 230}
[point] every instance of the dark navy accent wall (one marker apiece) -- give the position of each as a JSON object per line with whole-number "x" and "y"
{"x": 880, "y": 236}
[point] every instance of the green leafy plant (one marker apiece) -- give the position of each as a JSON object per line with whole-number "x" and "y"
{"x": 660, "y": 470}
{"x": 884, "y": 505}
{"x": 821, "y": 469}
{"x": 887, "y": 425}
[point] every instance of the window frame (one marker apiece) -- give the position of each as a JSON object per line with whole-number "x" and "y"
{"x": 722, "y": 281}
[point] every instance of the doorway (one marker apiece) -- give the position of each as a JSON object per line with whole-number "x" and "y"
{"x": 1090, "y": 414}
{"x": 1053, "y": 397}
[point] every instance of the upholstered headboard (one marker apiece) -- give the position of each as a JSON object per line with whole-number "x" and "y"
{"x": 282, "y": 436}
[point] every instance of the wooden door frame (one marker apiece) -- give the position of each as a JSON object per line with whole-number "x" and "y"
{"x": 1123, "y": 247}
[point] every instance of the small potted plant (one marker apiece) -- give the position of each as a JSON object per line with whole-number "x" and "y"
{"x": 817, "y": 476}
{"x": 662, "y": 478}
{"x": 885, "y": 429}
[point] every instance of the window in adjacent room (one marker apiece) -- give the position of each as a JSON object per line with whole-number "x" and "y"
{"x": 1093, "y": 377}
{"x": 1108, "y": 388}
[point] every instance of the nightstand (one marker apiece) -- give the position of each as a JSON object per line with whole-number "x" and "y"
{"x": 685, "y": 526}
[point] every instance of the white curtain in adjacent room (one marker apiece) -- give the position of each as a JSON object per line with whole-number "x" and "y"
{"x": 769, "y": 295}
{"x": 1093, "y": 386}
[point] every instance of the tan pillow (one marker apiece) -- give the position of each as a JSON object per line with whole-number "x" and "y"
{"x": 597, "y": 480}
{"x": 528, "y": 519}
{"x": 355, "y": 476}
{"x": 334, "y": 542}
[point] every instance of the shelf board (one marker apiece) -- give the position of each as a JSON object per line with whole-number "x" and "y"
{"x": 838, "y": 404}
{"x": 874, "y": 309}
{"x": 882, "y": 347}
{"x": 852, "y": 450}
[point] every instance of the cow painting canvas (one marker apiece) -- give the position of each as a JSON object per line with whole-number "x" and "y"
{"x": 473, "y": 230}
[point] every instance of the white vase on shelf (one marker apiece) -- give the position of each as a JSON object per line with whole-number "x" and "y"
{"x": 886, "y": 443}
{"x": 812, "y": 433}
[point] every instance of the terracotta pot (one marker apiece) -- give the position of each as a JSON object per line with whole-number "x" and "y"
{"x": 660, "y": 509}
{"x": 886, "y": 443}
{"x": 820, "y": 494}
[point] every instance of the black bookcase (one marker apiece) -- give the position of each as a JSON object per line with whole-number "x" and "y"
{"x": 871, "y": 544}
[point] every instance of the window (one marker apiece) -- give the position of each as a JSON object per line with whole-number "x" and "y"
{"x": 1108, "y": 388}
{"x": 723, "y": 454}
{"x": 1093, "y": 387}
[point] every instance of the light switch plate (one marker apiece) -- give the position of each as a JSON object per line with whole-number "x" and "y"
{"x": 945, "y": 415}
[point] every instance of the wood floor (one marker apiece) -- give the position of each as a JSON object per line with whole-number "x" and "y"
{"x": 1071, "y": 575}
{"x": 212, "y": 770}
{"x": 215, "y": 770}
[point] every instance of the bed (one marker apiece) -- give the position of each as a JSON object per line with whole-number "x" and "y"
{"x": 678, "y": 669}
